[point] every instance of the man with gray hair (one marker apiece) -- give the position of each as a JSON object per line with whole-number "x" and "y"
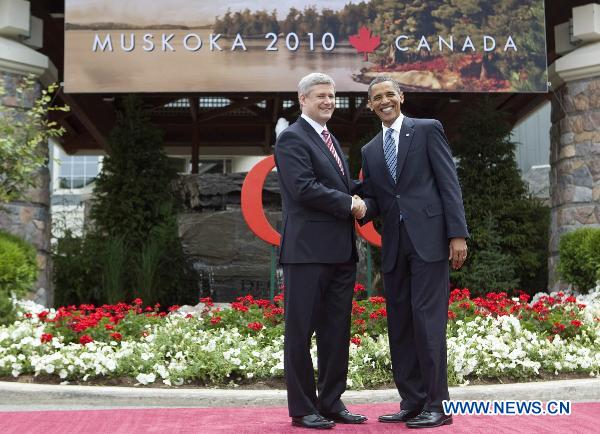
{"x": 318, "y": 256}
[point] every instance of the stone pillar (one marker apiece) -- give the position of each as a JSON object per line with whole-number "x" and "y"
{"x": 28, "y": 217}
{"x": 575, "y": 147}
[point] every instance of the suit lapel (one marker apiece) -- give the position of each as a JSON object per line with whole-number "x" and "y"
{"x": 320, "y": 143}
{"x": 407, "y": 132}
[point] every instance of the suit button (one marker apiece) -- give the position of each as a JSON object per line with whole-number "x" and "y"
{"x": 397, "y": 196}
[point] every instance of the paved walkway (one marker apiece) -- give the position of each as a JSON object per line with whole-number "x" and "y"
{"x": 24, "y": 397}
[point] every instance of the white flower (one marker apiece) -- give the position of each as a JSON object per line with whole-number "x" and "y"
{"x": 146, "y": 378}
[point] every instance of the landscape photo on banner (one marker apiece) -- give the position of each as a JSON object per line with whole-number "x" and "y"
{"x": 266, "y": 46}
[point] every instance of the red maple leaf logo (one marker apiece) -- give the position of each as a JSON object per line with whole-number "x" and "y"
{"x": 363, "y": 42}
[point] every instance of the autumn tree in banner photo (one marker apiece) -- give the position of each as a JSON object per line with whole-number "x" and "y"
{"x": 524, "y": 68}
{"x": 493, "y": 45}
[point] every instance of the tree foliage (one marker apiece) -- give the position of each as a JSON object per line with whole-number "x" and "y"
{"x": 18, "y": 271}
{"x": 24, "y": 134}
{"x": 133, "y": 249}
{"x": 502, "y": 217}
{"x": 579, "y": 262}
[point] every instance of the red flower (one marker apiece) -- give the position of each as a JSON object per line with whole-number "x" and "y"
{"x": 451, "y": 315}
{"x": 257, "y": 326}
{"x": 381, "y": 312}
{"x": 85, "y": 339}
{"x": 207, "y": 301}
{"x": 46, "y": 337}
{"x": 558, "y": 328}
{"x": 373, "y": 315}
{"x": 277, "y": 311}
{"x": 42, "y": 315}
{"x": 148, "y": 309}
{"x": 215, "y": 320}
{"x": 357, "y": 309}
{"x": 524, "y": 297}
{"x": 173, "y": 308}
{"x": 137, "y": 301}
{"x": 576, "y": 323}
{"x": 355, "y": 340}
{"x": 239, "y": 307}
{"x": 278, "y": 298}
{"x": 570, "y": 299}
{"x": 189, "y": 315}
{"x": 359, "y": 288}
{"x": 28, "y": 315}
{"x": 377, "y": 300}
{"x": 359, "y": 322}
{"x": 116, "y": 336}
{"x": 109, "y": 327}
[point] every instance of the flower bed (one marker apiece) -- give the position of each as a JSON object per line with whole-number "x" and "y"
{"x": 492, "y": 337}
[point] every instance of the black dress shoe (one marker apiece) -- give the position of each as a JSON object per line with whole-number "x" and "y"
{"x": 401, "y": 416}
{"x": 429, "y": 419}
{"x": 313, "y": 421}
{"x": 345, "y": 416}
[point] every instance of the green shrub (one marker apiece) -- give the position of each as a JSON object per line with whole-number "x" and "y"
{"x": 490, "y": 268}
{"x": 76, "y": 268}
{"x": 492, "y": 186}
{"x": 18, "y": 272}
{"x": 133, "y": 248}
{"x": 579, "y": 261}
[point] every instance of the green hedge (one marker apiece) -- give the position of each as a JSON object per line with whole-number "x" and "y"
{"x": 579, "y": 261}
{"x": 18, "y": 272}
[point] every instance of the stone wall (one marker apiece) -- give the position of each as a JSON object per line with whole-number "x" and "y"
{"x": 29, "y": 217}
{"x": 575, "y": 162}
{"x": 231, "y": 260}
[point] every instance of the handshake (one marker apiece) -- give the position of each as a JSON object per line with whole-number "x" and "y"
{"x": 359, "y": 208}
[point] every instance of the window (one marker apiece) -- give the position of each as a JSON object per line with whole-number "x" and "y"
{"x": 77, "y": 171}
{"x": 214, "y": 166}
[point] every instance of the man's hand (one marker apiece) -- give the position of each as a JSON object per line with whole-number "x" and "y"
{"x": 359, "y": 209}
{"x": 458, "y": 252}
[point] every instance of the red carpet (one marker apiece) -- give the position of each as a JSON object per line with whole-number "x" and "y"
{"x": 583, "y": 419}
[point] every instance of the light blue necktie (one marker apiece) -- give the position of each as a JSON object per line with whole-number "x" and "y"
{"x": 390, "y": 153}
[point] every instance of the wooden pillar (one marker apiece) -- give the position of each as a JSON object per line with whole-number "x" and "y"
{"x": 194, "y": 105}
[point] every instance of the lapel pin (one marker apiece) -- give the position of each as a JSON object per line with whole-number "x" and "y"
{"x": 407, "y": 134}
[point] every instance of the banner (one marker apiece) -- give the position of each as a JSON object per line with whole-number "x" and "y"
{"x": 267, "y": 46}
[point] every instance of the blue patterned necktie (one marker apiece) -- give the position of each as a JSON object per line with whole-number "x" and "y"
{"x": 390, "y": 153}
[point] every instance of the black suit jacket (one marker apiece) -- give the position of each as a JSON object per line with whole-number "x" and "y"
{"x": 427, "y": 192}
{"x": 318, "y": 226}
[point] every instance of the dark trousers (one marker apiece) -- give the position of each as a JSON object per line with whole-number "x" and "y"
{"x": 318, "y": 298}
{"x": 417, "y": 312}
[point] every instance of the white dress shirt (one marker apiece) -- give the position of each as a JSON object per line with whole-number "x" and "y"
{"x": 317, "y": 126}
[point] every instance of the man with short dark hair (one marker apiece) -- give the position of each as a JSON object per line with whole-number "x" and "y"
{"x": 318, "y": 255}
{"x": 410, "y": 180}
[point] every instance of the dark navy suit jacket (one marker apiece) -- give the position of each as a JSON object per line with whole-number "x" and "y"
{"x": 318, "y": 226}
{"x": 427, "y": 192}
